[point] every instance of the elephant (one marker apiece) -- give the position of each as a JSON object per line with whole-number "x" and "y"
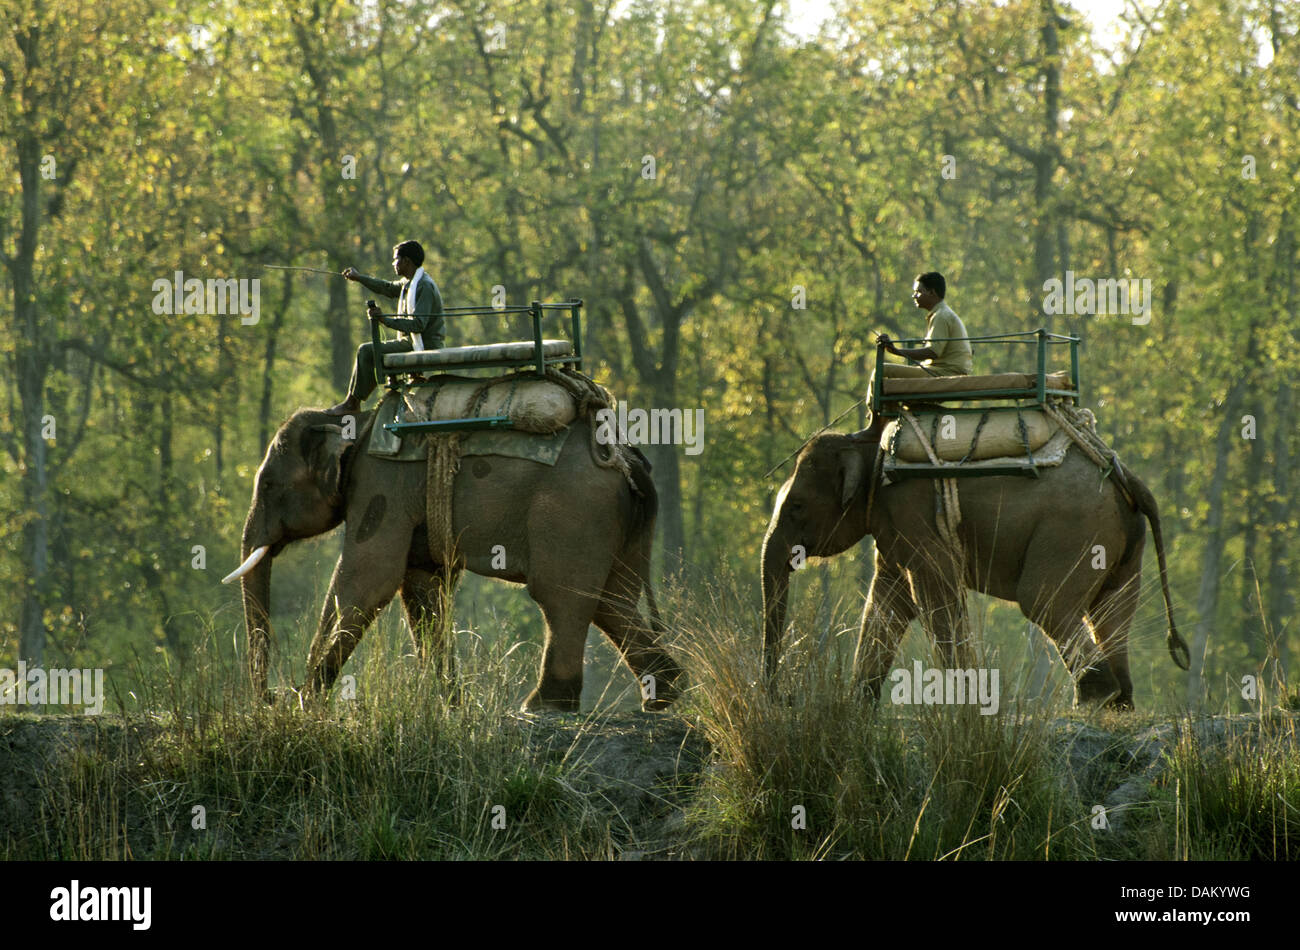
{"x": 1032, "y": 541}
{"x": 576, "y": 534}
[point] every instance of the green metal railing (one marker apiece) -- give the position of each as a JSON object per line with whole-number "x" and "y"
{"x": 1038, "y": 392}
{"x": 535, "y": 310}
{"x": 1013, "y": 397}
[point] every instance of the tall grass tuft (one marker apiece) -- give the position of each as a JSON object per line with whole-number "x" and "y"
{"x": 811, "y": 771}
{"x": 1233, "y": 797}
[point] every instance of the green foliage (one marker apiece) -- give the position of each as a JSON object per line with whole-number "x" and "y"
{"x": 812, "y": 772}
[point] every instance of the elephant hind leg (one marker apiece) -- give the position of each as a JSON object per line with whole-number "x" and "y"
{"x": 568, "y": 612}
{"x": 1057, "y": 596}
{"x": 617, "y": 616}
{"x": 1111, "y": 616}
{"x": 1077, "y": 642}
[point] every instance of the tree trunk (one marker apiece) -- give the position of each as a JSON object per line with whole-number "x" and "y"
{"x": 1281, "y": 597}
{"x": 1253, "y": 510}
{"x": 668, "y": 482}
{"x": 268, "y": 377}
{"x": 32, "y": 352}
{"x": 1207, "y": 601}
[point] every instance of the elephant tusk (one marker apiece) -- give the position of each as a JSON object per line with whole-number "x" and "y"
{"x": 248, "y": 565}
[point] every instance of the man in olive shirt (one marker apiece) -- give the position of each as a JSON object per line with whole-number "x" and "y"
{"x": 946, "y": 350}
{"x": 419, "y": 321}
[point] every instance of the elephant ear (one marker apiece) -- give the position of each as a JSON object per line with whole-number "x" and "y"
{"x": 852, "y": 468}
{"x": 326, "y": 453}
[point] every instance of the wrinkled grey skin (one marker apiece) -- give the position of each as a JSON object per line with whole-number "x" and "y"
{"x": 1030, "y": 541}
{"x": 574, "y": 533}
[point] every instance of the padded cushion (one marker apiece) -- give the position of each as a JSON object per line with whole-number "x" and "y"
{"x": 531, "y": 404}
{"x": 938, "y": 385}
{"x": 1051, "y": 454}
{"x": 999, "y": 436}
{"x": 486, "y": 353}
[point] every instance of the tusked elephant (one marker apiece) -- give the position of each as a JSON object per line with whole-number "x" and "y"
{"x": 1030, "y": 541}
{"x": 575, "y": 534}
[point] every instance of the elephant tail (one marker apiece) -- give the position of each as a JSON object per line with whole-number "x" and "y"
{"x": 1146, "y": 503}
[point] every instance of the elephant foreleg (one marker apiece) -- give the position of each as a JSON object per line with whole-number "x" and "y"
{"x": 355, "y": 597}
{"x": 888, "y": 611}
{"x": 427, "y": 600}
{"x": 940, "y": 594}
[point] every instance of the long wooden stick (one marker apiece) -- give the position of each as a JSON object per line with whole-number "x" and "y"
{"x": 811, "y": 437}
{"x": 314, "y": 270}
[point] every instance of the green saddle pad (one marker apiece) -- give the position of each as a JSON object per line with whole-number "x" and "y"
{"x": 508, "y": 442}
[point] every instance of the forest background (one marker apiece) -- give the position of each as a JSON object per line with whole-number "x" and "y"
{"x": 741, "y": 207}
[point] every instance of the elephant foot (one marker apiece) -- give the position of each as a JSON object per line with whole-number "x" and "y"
{"x": 663, "y": 689}
{"x": 567, "y": 701}
{"x": 866, "y": 690}
{"x": 1122, "y": 703}
{"x": 1098, "y": 686}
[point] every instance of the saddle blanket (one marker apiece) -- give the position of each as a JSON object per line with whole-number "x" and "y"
{"x": 543, "y": 447}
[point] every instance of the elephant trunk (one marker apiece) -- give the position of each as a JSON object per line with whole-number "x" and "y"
{"x": 776, "y": 591}
{"x": 255, "y": 581}
{"x": 257, "y": 620}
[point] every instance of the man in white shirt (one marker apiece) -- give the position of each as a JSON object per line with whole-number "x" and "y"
{"x": 945, "y": 351}
{"x": 419, "y": 321}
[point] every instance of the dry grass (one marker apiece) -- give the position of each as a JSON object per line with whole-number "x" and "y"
{"x": 811, "y": 771}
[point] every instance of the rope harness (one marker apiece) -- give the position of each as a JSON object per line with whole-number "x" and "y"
{"x": 444, "y": 454}
{"x": 947, "y": 504}
{"x": 444, "y": 462}
{"x": 876, "y": 471}
{"x": 590, "y": 397}
{"x": 1075, "y": 424}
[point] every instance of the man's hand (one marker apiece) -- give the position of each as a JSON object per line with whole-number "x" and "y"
{"x": 883, "y": 340}
{"x": 351, "y": 273}
{"x": 373, "y": 311}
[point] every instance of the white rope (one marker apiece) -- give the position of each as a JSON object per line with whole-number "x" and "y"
{"x": 949, "y": 519}
{"x": 1093, "y": 447}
